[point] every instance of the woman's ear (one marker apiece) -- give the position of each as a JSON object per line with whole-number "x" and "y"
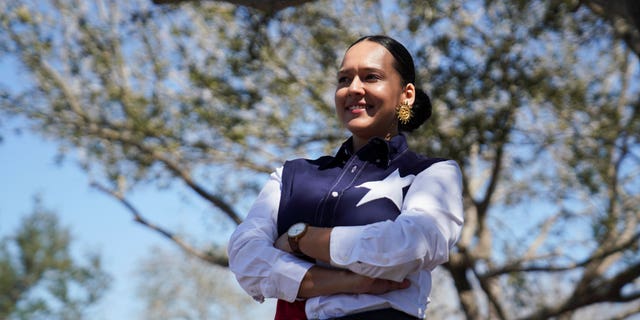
{"x": 409, "y": 93}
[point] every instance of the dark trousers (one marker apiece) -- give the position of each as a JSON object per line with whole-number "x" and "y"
{"x": 383, "y": 314}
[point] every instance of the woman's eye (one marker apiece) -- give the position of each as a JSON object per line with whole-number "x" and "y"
{"x": 372, "y": 77}
{"x": 343, "y": 80}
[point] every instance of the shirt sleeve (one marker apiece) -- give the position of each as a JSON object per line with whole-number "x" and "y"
{"x": 427, "y": 228}
{"x": 262, "y": 270}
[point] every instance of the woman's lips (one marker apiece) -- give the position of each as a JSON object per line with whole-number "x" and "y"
{"x": 357, "y": 108}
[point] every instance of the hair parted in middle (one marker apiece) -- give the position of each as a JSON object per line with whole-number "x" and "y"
{"x": 420, "y": 111}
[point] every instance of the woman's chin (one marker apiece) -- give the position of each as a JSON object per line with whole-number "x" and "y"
{"x": 356, "y": 126}
{"x": 359, "y": 130}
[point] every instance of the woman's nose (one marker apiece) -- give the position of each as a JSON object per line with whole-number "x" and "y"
{"x": 356, "y": 86}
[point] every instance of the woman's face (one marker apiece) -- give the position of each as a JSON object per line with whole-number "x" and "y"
{"x": 369, "y": 90}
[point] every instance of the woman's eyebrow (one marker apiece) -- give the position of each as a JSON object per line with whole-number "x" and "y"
{"x": 366, "y": 69}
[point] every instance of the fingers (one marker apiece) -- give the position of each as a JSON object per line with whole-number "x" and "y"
{"x": 282, "y": 243}
{"x": 398, "y": 285}
{"x": 383, "y": 286}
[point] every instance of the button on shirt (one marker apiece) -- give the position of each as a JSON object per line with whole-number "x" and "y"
{"x": 395, "y": 215}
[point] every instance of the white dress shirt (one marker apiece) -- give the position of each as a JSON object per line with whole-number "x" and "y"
{"x": 409, "y": 247}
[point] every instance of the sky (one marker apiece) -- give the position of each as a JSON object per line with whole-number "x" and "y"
{"x": 97, "y": 222}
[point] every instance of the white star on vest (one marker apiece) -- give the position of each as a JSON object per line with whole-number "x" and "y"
{"x": 390, "y": 188}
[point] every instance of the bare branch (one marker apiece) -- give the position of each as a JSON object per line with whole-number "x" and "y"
{"x": 458, "y": 265}
{"x": 119, "y": 134}
{"x": 218, "y": 258}
{"x": 627, "y": 314}
{"x": 631, "y": 274}
{"x": 94, "y": 127}
{"x": 519, "y": 264}
{"x": 489, "y": 288}
{"x": 541, "y": 237}
{"x": 599, "y": 290}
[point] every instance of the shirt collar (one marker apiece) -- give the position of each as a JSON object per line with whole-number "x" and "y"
{"x": 377, "y": 150}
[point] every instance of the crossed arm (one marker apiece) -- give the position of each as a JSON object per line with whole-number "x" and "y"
{"x": 421, "y": 237}
{"x": 319, "y": 281}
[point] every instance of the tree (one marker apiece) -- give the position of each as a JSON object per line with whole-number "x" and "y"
{"x": 174, "y": 285}
{"x": 39, "y": 278}
{"x": 266, "y": 6}
{"x": 623, "y": 15}
{"x": 537, "y": 101}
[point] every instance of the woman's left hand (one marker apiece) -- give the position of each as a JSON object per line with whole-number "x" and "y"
{"x": 314, "y": 244}
{"x": 282, "y": 243}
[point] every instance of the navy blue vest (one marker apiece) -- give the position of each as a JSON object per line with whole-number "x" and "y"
{"x": 349, "y": 189}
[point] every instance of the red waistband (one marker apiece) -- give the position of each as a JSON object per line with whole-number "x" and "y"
{"x": 290, "y": 310}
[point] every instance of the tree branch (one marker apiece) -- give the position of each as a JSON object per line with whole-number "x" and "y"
{"x": 620, "y": 280}
{"x": 95, "y": 128}
{"x": 608, "y": 290}
{"x": 266, "y": 6}
{"x": 217, "y": 258}
{"x": 172, "y": 166}
{"x": 494, "y": 298}
{"x": 517, "y": 265}
{"x": 458, "y": 265}
{"x": 624, "y": 17}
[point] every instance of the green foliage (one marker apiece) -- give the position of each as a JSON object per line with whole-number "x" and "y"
{"x": 40, "y": 279}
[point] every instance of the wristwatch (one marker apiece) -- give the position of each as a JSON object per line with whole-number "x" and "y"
{"x": 296, "y": 232}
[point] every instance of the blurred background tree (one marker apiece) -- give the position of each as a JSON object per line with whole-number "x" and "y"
{"x": 175, "y": 285}
{"x": 537, "y": 100}
{"x": 40, "y": 278}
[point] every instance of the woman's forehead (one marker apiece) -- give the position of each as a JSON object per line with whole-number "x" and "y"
{"x": 367, "y": 55}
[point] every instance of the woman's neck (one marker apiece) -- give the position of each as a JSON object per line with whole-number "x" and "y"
{"x": 359, "y": 142}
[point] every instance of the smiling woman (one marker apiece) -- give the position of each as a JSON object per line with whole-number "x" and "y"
{"x": 356, "y": 235}
{"x": 383, "y": 69}
{"x": 369, "y": 91}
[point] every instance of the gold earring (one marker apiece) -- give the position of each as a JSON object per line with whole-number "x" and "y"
{"x": 404, "y": 112}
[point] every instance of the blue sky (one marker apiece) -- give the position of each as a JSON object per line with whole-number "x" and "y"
{"x": 97, "y": 222}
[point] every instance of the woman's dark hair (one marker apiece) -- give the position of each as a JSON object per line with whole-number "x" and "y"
{"x": 404, "y": 65}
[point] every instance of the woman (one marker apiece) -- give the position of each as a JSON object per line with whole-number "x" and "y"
{"x": 356, "y": 235}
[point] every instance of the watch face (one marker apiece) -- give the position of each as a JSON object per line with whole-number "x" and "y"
{"x": 296, "y": 229}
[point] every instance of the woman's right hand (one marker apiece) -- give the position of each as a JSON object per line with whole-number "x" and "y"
{"x": 319, "y": 281}
{"x": 364, "y": 284}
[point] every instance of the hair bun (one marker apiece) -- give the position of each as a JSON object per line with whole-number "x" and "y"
{"x": 421, "y": 111}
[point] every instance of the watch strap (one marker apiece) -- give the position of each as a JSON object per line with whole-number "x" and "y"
{"x": 293, "y": 243}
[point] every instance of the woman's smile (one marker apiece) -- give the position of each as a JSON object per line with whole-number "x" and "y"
{"x": 358, "y": 108}
{"x": 368, "y": 92}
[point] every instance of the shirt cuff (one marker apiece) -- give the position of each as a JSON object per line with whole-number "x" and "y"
{"x": 343, "y": 243}
{"x": 285, "y": 278}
